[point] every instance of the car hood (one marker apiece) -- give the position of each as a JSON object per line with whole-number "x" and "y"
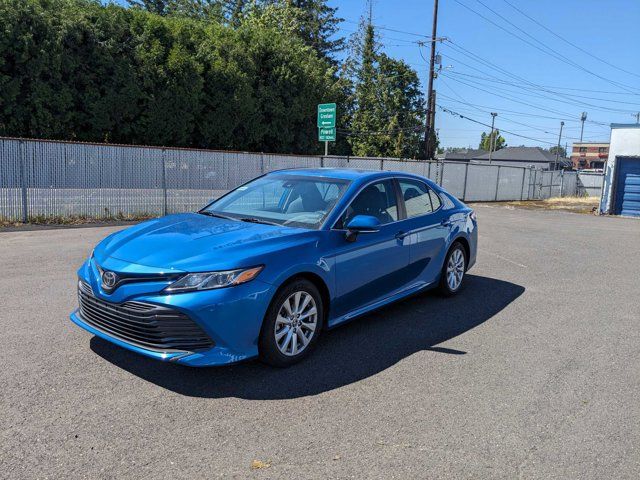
{"x": 196, "y": 243}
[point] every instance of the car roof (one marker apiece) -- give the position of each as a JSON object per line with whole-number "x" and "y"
{"x": 344, "y": 173}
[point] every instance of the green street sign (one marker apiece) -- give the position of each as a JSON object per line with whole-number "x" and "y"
{"x": 327, "y": 115}
{"x": 327, "y": 134}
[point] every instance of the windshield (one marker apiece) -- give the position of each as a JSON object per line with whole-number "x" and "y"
{"x": 296, "y": 201}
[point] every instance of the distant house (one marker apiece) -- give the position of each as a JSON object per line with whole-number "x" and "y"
{"x": 523, "y": 157}
{"x": 462, "y": 155}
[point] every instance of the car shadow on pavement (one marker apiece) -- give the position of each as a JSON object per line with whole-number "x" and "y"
{"x": 344, "y": 355}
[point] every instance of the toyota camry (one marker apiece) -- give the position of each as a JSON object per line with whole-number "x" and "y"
{"x": 264, "y": 270}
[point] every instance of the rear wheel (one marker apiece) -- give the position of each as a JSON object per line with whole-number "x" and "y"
{"x": 453, "y": 270}
{"x": 292, "y": 324}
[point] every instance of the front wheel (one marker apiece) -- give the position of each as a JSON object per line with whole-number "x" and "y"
{"x": 292, "y": 324}
{"x": 453, "y": 270}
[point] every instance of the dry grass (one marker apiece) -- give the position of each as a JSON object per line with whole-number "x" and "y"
{"x": 585, "y": 205}
{"x": 593, "y": 201}
{"x": 70, "y": 220}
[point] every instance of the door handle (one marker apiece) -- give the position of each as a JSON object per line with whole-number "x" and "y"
{"x": 446, "y": 222}
{"x": 400, "y": 235}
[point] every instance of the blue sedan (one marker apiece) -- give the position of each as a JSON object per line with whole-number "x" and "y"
{"x": 265, "y": 269}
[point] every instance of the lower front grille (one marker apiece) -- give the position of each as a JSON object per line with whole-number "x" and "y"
{"x": 146, "y": 325}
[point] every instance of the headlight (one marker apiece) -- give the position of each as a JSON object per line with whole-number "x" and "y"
{"x": 211, "y": 280}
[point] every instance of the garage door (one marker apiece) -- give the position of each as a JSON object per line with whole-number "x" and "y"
{"x": 628, "y": 187}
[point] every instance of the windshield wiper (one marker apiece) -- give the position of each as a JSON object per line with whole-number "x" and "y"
{"x": 211, "y": 214}
{"x": 257, "y": 220}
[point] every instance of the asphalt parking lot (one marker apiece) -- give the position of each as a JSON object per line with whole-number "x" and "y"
{"x": 532, "y": 372}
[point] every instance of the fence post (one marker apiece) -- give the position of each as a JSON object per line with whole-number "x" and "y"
{"x": 164, "y": 182}
{"x": 497, "y": 184}
{"x": 262, "y": 163}
{"x": 441, "y": 177}
{"x": 381, "y": 164}
{"x": 464, "y": 187}
{"x": 23, "y": 181}
{"x": 524, "y": 171}
{"x": 561, "y": 183}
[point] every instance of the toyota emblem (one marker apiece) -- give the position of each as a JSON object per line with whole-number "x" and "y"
{"x": 109, "y": 280}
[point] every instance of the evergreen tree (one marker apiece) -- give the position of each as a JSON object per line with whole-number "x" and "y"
{"x": 161, "y": 7}
{"x": 388, "y": 111}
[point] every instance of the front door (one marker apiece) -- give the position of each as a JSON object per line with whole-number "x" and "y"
{"x": 373, "y": 266}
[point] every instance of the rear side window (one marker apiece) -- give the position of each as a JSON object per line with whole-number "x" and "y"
{"x": 447, "y": 203}
{"x": 418, "y": 198}
{"x": 435, "y": 200}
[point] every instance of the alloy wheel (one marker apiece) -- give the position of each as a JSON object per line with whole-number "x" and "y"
{"x": 455, "y": 269}
{"x": 296, "y": 323}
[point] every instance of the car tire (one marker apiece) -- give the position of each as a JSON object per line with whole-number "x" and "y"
{"x": 292, "y": 324}
{"x": 453, "y": 270}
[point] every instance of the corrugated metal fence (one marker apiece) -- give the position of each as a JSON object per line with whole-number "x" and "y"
{"x": 45, "y": 179}
{"x": 590, "y": 184}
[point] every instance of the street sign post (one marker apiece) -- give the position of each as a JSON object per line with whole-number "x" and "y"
{"x": 327, "y": 124}
{"x": 327, "y": 115}
{"x": 327, "y": 134}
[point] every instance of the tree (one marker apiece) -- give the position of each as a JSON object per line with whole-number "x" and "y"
{"x": 486, "y": 140}
{"x": 313, "y": 21}
{"x": 388, "y": 112}
{"x": 77, "y": 69}
{"x": 161, "y": 7}
{"x": 235, "y": 11}
{"x": 320, "y": 26}
{"x": 206, "y": 9}
{"x": 562, "y": 151}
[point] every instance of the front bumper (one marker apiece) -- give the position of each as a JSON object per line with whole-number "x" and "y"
{"x": 231, "y": 317}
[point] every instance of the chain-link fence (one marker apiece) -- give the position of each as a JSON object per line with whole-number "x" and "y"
{"x": 47, "y": 179}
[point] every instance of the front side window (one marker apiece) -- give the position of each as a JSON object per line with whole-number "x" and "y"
{"x": 418, "y": 198}
{"x": 297, "y": 201}
{"x": 377, "y": 200}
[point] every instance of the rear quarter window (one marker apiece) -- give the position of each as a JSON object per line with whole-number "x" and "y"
{"x": 447, "y": 202}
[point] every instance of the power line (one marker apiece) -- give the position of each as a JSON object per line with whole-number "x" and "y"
{"x": 531, "y": 127}
{"x": 476, "y": 58}
{"x": 451, "y": 112}
{"x": 549, "y": 51}
{"x": 417, "y": 129}
{"x": 507, "y": 114}
{"x": 380, "y": 27}
{"x": 515, "y": 100}
{"x": 533, "y": 93}
{"x": 505, "y": 82}
{"x": 569, "y": 42}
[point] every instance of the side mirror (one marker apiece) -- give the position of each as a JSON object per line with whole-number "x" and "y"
{"x": 362, "y": 224}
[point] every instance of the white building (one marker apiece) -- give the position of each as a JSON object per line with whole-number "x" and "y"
{"x": 621, "y": 189}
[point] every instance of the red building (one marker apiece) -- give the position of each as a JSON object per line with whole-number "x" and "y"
{"x": 589, "y": 155}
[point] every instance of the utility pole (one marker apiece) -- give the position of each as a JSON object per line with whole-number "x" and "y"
{"x": 430, "y": 100}
{"x": 583, "y": 117}
{"x": 558, "y": 149}
{"x": 491, "y": 141}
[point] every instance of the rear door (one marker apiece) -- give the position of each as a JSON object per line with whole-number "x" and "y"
{"x": 426, "y": 229}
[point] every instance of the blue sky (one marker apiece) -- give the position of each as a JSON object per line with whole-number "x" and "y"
{"x": 557, "y": 88}
{"x": 608, "y": 30}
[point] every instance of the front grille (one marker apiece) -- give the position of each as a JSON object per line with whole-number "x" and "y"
{"x": 143, "y": 324}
